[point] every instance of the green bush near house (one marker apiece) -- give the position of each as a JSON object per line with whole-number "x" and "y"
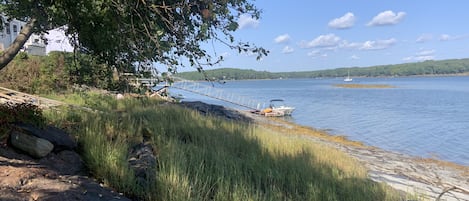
{"x": 57, "y": 72}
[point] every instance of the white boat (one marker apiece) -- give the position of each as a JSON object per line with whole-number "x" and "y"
{"x": 348, "y": 78}
{"x": 277, "y": 108}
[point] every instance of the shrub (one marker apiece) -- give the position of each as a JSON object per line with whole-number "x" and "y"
{"x": 20, "y": 112}
{"x": 23, "y": 55}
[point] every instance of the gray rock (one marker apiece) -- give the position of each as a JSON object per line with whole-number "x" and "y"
{"x": 216, "y": 110}
{"x": 59, "y": 138}
{"x": 143, "y": 162}
{"x": 34, "y": 146}
{"x": 66, "y": 162}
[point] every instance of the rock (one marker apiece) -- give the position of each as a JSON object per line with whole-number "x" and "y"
{"x": 216, "y": 110}
{"x": 34, "y": 146}
{"x": 119, "y": 96}
{"x": 143, "y": 162}
{"x": 59, "y": 138}
{"x": 66, "y": 162}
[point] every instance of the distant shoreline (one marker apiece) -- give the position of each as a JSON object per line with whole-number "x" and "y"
{"x": 365, "y": 86}
{"x": 449, "y": 67}
{"x": 358, "y": 77}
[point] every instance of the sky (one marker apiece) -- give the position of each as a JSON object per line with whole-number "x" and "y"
{"x": 306, "y": 35}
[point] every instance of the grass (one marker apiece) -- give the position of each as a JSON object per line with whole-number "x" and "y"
{"x": 210, "y": 158}
{"x": 367, "y": 86}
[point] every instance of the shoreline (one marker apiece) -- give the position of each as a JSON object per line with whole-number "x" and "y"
{"x": 425, "y": 177}
{"x": 341, "y": 78}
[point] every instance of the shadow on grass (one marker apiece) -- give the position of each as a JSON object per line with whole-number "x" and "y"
{"x": 212, "y": 159}
{"x": 207, "y": 158}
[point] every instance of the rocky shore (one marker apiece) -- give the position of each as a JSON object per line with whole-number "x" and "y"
{"x": 426, "y": 179}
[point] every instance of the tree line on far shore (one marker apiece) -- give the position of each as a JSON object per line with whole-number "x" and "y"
{"x": 426, "y": 68}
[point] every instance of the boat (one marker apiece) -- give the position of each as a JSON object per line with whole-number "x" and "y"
{"x": 277, "y": 108}
{"x": 348, "y": 78}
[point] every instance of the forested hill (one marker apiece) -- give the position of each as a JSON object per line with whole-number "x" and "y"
{"x": 442, "y": 67}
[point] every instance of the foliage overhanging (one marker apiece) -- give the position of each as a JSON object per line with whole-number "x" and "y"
{"x": 122, "y": 33}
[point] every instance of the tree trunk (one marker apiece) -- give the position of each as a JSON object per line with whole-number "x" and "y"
{"x": 15, "y": 47}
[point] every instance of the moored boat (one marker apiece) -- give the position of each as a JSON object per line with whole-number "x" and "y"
{"x": 277, "y": 108}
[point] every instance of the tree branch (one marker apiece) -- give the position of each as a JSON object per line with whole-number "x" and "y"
{"x": 450, "y": 189}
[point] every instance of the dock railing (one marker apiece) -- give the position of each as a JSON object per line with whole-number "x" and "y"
{"x": 208, "y": 90}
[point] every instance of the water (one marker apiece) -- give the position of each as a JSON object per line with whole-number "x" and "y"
{"x": 427, "y": 117}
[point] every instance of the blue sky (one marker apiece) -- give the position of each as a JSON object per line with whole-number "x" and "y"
{"x": 305, "y": 35}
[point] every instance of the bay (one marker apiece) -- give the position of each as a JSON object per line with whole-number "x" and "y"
{"x": 422, "y": 116}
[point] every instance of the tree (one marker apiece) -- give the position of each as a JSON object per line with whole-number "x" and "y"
{"x": 122, "y": 33}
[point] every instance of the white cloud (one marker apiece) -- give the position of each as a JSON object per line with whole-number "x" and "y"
{"x": 422, "y": 55}
{"x": 287, "y": 49}
{"x": 246, "y": 21}
{"x": 329, "y": 40}
{"x": 387, "y": 18}
{"x": 371, "y": 44}
{"x": 447, "y": 37}
{"x": 282, "y": 38}
{"x": 424, "y": 38}
{"x": 354, "y": 57}
{"x": 407, "y": 58}
{"x": 424, "y": 58}
{"x": 378, "y": 44}
{"x": 425, "y": 52}
{"x": 343, "y": 22}
{"x": 316, "y": 54}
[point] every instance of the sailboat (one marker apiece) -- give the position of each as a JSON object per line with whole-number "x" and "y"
{"x": 348, "y": 78}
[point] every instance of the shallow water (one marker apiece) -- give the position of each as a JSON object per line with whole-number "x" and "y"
{"x": 427, "y": 116}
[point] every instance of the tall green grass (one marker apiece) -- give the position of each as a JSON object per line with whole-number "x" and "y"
{"x": 210, "y": 158}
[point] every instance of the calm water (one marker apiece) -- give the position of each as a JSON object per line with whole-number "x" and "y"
{"x": 426, "y": 117}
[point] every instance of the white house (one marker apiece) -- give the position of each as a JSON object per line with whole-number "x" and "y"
{"x": 35, "y": 44}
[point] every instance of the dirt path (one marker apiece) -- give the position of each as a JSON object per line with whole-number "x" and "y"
{"x": 58, "y": 177}
{"x": 424, "y": 177}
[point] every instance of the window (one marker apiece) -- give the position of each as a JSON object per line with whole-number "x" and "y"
{"x": 15, "y": 29}
{"x": 7, "y": 26}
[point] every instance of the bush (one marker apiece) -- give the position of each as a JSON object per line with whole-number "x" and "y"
{"x": 23, "y": 55}
{"x": 21, "y": 112}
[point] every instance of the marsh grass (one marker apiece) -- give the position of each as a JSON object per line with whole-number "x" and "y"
{"x": 209, "y": 158}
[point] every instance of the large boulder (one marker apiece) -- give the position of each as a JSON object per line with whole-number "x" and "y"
{"x": 34, "y": 146}
{"x": 59, "y": 138}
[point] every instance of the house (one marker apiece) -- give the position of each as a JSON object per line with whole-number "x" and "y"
{"x": 11, "y": 28}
